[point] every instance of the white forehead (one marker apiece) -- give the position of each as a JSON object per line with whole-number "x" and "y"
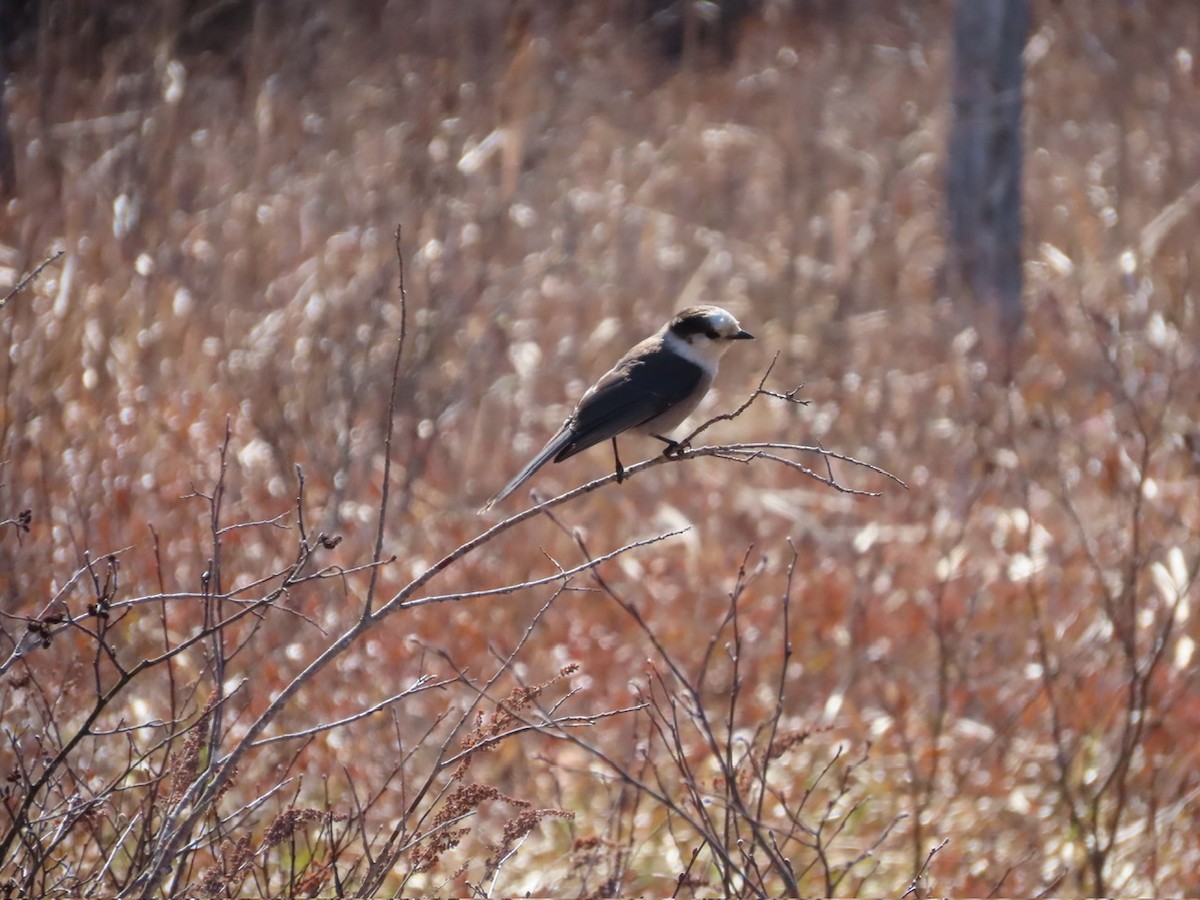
{"x": 723, "y": 321}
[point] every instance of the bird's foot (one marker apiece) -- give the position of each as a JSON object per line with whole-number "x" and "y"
{"x": 674, "y": 449}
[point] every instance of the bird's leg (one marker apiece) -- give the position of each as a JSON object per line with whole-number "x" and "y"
{"x": 617, "y": 457}
{"x": 674, "y": 449}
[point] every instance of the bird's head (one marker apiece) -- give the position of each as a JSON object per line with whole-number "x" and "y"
{"x": 707, "y": 330}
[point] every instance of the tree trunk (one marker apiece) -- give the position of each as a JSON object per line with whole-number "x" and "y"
{"x": 8, "y": 165}
{"x": 983, "y": 178}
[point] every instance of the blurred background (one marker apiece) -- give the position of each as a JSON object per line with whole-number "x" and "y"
{"x": 1007, "y": 644}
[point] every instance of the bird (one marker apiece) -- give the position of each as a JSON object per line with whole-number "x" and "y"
{"x": 651, "y": 390}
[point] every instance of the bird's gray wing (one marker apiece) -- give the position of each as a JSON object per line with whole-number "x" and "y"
{"x": 639, "y": 388}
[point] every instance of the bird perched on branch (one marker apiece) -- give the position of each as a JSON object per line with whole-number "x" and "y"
{"x": 651, "y": 389}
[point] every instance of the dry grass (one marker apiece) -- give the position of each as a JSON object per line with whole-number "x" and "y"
{"x": 997, "y": 663}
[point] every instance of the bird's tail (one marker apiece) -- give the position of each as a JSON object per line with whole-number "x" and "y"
{"x": 547, "y": 453}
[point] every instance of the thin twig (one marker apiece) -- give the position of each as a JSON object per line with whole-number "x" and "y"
{"x": 546, "y": 728}
{"x": 561, "y": 575}
{"x": 389, "y": 431}
{"x": 30, "y": 278}
{"x": 916, "y": 882}
{"x": 423, "y": 683}
{"x": 790, "y": 397}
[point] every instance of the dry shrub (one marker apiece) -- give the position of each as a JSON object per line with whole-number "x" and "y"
{"x": 1012, "y": 637}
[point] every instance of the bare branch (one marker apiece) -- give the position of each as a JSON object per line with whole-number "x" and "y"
{"x": 30, "y": 278}
{"x": 424, "y": 683}
{"x": 561, "y": 575}
{"x": 389, "y": 431}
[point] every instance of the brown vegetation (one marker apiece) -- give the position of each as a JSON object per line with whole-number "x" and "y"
{"x": 216, "y": 679}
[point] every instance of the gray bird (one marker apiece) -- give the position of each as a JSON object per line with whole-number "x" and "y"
{"x": 651, "y": 389}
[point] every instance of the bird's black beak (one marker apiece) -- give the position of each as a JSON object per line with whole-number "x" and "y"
{"x": 743, "y": 336}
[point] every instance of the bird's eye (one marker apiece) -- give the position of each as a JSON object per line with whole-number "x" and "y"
{"x": 712, "y": 333}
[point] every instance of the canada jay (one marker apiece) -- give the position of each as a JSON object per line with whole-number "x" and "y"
{"x": 651, "y": 389}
